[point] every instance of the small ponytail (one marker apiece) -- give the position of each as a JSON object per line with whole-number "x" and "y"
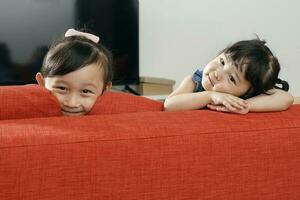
{"x": 284, "y": 85}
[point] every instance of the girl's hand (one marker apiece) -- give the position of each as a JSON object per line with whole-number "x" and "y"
{"x": 228, "y": 103}
{"x": 222, "y": 108}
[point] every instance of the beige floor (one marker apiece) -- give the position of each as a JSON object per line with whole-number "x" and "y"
{"x": 296, "y": 100}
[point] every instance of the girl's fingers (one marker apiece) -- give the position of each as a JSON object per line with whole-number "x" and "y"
{"x": 222, "y": 109}
{"x": 230, "y": 102}
{"x": 229, "y": 105}
{"x": 238, "y": 103}
{"x": 219, "y": 108}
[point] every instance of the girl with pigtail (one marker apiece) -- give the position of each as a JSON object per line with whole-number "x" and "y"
{"x": 242, "y": 78}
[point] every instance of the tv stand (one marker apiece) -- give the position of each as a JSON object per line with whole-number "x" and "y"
{"x": 126, "y": 88}
{"x": 129, "y": 89}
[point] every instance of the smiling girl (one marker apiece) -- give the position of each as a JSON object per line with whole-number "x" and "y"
{"x": 241, "y": 79}
{"x": 77, "y": 69}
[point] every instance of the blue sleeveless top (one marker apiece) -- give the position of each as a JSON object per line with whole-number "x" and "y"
{"x": 197, "y": 78}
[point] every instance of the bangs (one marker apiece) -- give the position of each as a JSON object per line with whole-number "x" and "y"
{"x": 73, "y": 53}
{"x": 239, "y": 61}
{"x": 70, "y": 57}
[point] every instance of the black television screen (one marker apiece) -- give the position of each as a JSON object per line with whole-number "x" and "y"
{"x": 28, "y": 28}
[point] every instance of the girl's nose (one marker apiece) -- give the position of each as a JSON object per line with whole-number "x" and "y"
{"x": 71, "y": 101}
{"x": 219, "y": 74}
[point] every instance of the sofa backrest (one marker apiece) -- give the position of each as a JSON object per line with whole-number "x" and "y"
{"x": 152, "y": 155}
{"x": 33, "y": 101}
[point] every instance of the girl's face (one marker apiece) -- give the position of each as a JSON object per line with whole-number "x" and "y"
{"x": 77, "y": 91}
{"x": 221, "y": 75}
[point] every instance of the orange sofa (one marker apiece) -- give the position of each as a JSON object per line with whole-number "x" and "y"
{"x": 129, "y": 149}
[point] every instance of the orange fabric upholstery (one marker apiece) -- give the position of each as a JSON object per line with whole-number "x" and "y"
{"x": 152, "y": 155}
{"x": 33, "y": 101}
{"x": 120, "y": 102}
{"x": 28, "y": 101}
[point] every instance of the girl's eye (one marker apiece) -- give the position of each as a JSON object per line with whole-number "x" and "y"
{"x": 222, "y": 61}
{"x": 231, "y": 78}
{"x": 86, "y": 91}
{"x": 61, "y": 88}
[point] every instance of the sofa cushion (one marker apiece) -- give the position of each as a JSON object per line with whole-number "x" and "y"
{"x": 32, "y": 101}
{"x": 28, "y": 101}
{"x": 120, "y": 102}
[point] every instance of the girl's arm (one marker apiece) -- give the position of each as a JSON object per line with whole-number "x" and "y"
{"x": 277, "y": 100}
{"x": 183, "y": 98}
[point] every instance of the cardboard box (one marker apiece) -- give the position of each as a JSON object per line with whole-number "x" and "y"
{"x": 155, "y": 86}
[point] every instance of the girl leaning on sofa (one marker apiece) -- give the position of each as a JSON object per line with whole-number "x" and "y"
{"x": 242, "y": 78}
{"x": 77, "y": 70}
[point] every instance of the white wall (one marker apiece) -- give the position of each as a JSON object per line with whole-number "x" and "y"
{"x": 178, "y": 36}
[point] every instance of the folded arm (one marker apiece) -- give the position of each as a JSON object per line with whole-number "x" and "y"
{"x": 276, "y": 100}
{"x": 184, "y": 98}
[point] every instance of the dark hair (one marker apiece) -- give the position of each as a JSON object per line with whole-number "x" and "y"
{"x": 261, "y": 67}
{"x": 72, "y": 53}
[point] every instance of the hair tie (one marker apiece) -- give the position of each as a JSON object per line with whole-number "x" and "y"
{"x": 284, "y": 84}
{"x": 73, "y": 32}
